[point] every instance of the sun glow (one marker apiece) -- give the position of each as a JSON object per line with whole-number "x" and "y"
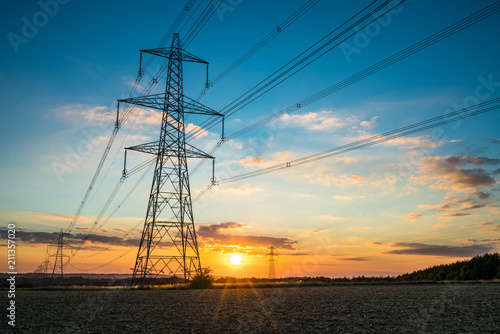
{"x": 236, "y": 259}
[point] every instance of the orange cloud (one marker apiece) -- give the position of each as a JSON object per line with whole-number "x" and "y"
{"x": 318, "y": 121}
{"x": 213, "y": 234}
{"x": 369, "y": 124}
{"x": 448, "y": 168}
{"x": 252, "y": 161}
{"x": 413, "y": 216}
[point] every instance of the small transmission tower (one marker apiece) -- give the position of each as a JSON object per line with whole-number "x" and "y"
{"x": 272, "y": 263}
{"x": 59, "y": 255}
{"x": 170, "y": 187}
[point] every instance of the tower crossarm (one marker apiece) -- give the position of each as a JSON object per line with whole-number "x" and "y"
{"x": 154, "y": 148}
{"x": 157, "y": 101}
{"x": 172, "y": 53}
{"x": 193, "y": 107}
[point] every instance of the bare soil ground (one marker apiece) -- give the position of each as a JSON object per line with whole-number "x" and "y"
{"x": 443, "y": 308}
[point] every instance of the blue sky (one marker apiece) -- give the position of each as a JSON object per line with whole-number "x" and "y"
{"x": 420, "y": 200}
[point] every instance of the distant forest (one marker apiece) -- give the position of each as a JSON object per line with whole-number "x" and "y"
{"x": 484, "y": 267}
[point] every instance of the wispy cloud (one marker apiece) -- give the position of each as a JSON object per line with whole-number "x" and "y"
{"x": 347, "y": 160}
{"x": 37, "y": 238}
{"x": 357, "y": 259}
{"x": 328, "y": 218}
{"x": 454, "y": 215}
{"x": 241, "y": 190}
{"x": 449, "y": 169}
{"x": 414, "y": 142}
{"x": 343, "y": 198}
{"x": 413, "y": 216}
{"x": 331, "y": 179}
{"x": 494, "y": 229}
{"x": 216, "y": 234}
{"x": 405, "y": 248}
{"x": 319, "y": 121}
{"x": 258, "y": 161}
{"x": 200, "y": 132}
{"x": 87, "y": 113}
{"x": 369, "y": 124}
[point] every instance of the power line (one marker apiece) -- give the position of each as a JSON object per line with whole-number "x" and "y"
{"x": 377, "y": 139}
{"x": 263, "y": 42}
{"x": 231, "y": 110}
{"x": 419, "y": 46}
{"x": 269, "y": 83}
{"x": 202, "y": 20}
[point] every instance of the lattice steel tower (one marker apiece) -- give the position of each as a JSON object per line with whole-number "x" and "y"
{"x": 170, "y": 187}
{"x": 272, "y": 263}
{"x": 59, "y": 255}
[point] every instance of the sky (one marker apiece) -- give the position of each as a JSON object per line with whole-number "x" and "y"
{"x": 425, "y": 199}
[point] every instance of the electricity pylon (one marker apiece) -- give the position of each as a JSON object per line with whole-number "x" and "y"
{"x": 272, "y": 263}
{"x": 170, "y": 187}
{"x": 59, "y": 255}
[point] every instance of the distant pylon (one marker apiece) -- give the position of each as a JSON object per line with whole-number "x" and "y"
{"x": 170, "y": 187}
{"x": 272, "y": 263}
{"x": 59, "y": 255}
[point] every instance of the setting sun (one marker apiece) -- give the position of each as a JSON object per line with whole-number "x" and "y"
{"x": 236, "y": 259}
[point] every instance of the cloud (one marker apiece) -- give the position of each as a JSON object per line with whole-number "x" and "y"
{"x": 347, "y": 160}
{"x": 339, "y": 180}
{"x": 344, "y": 198}
{"x": 252, "y": 161}
{"x": 353, "y": 259}
{"x": 31, "y": 237}
{"x": 213, "y": 233}
{"x": 454, "y": 215}
{"x": 308, "y": 196}
{"x": 462, "y": 205}
{"x": 405, "y": 248}
{"x": 199, "y": 131}
{"x": 481, "y": 194}
{"x": 318, "y": 121}
{"x": 457, "y": 178}
{"x": 82, "y": 112}
{"x": 414, "y": 142}
{"x": 494, "y": 229}
{"x": 356, "y": 179}
{"x": 37, "y": 238}
{"x": 473, "y": 207}
{"x": 148, "y": 117}
{"x": 444, "y": 207}
{"x": 489, "y": 241}
{"x": 413, "y": 216}
{"x": 242, "y": 190}
{"x": 107, "y": 240}
{"x": 328, "y": 217}
{"x": 258, "y": 161}
{"x": 369, "y": 124}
